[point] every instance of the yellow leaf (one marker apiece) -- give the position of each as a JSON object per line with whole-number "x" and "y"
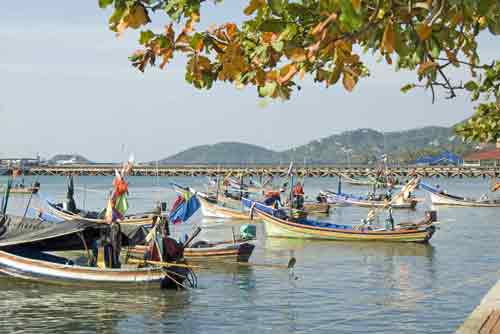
{"x": 356, "y": 4}
{"x": 388, "y": 39}
{"x": 297, "y": 54}
{"x": 452, "y": 58}
{"x": 322, "y": 25}
{"x": 425, "y": 67}
{"x": 424, "y": 31}
{"x": 253, "y": 6}
{"x": 138, "y": 16}
{"x": 348, "y": 81}
{"x": 287, "y": 72}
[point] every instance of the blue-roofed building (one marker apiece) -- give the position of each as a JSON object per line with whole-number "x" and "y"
{"x": 445, "y": 158}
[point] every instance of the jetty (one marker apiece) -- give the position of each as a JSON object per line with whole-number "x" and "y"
{"x": 266, "y": 170}
{"x": 485, "y": 319}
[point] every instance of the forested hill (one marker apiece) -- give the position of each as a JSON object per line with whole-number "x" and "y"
{"x": 225, "y": 153}
{"x": 357, "y": 146}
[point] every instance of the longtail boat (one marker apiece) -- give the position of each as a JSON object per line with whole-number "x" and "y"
{"x": 441, "y": 197}
{"x": 24, "y": 190}
{"x": 215, "y": 210}
{"x": 49, "y": 268}
{"x": 278, "y": 224}
{"x": 201, "y": 251}
{"x": 57, "y": 209}
{"x": 67, "y": 210}
{"x": 401, "y": 200}
{"x": 37, "y": 250}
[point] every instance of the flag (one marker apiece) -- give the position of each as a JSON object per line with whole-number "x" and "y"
{"x": 184, "y": 207}
{"x": 121, "y": 204}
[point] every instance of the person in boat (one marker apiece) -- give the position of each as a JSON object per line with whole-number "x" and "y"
{"x": 388, "y": 194}
{"x": 161, "y": 247}
{"x": 273, "y": 198}
{"x": 298, "y": 196}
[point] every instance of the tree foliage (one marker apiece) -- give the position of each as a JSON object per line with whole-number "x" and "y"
{"x": 284, "y": 40}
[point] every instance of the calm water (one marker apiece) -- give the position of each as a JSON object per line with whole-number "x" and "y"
{"x": 341, "y": 287}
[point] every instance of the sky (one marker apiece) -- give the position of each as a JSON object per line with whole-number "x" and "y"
{"x": 66, "y": 86}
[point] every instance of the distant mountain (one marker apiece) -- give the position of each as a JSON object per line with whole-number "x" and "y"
{"x": 228, "y": 153}
{"x": 367, "y": 145}
{"x": 357, "y": 146}
{"x": 69, "y": 158}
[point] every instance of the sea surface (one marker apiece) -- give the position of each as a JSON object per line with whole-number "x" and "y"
{"x": 336, "y": 287}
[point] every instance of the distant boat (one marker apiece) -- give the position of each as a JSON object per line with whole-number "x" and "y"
{"x": 278, "y": 224}
{"x": 441, "y": 197}
{"x": 401, "y": 200}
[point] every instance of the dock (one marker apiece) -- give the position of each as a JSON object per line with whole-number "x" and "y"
{"x": 485, "y": 319}
{"x": 310, "y": 171}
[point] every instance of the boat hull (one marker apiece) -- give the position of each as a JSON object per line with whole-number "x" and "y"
{"x": 447, "y": 201}
{"x": 226, "y": 251}
{"x": 334, "y": 199}
{"x": 65, "y": 274}
{"x": 286, "y": 229}
{"x": 316, "y": 208}
{"x": 130, "y": 220}
{"x": 213, "y": 210}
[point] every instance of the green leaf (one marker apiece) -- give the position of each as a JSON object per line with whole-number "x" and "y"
{"x": 272, "y": 25}
{"x": 471, "y": 85}
{"x": 105, "y": 3}
{"x": 406, "y": 88}
{"x": 278, "y": 45}
{"x": 268, "y": 89}
{"x": 146, "y": 36}
{"x": 276, "y": 6}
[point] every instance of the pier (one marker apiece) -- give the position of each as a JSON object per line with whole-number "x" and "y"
{"x": 485, "y": 319}
{"x": 310, "y": 171}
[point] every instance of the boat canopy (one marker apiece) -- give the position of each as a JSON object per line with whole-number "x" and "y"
{"x": 18, "y": 232}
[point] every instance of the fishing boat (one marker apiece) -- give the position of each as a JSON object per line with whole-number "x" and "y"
{"x": 21, "y": 189}
{"x": 371, "y": 182}
{"x": 54, "y": 269}
{"x": 278, "y": 224}
{"x": 214, "y": 209}
{"x": 67, "y": 210}
{"x": 58, "y": 210}
{"x": 401, "y": 200}
{"x": 441, "y": 197}
{"x": 37, "y": 250}
{"x": 201, "y": 251}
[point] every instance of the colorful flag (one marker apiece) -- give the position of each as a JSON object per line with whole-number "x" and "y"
{"x": 184, "y": 207}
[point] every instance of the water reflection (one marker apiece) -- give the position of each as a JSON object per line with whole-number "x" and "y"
{"x": 60, "y": 309}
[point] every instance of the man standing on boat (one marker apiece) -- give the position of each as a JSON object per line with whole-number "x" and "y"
{"x": 298, "y": 196}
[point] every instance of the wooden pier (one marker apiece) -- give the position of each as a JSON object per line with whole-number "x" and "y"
{"x": 311, "y": 171}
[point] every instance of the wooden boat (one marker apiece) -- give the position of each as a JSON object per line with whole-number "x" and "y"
{"x": 48, "y": 268}
{"x": 213, "y": 209}
{"x": 440, "y": 197}
{"x": 57, "y": 209}
{"x": 24, "y": 190}
{"x": 278, "y": 225}
{"x": 401, "y": 200}
{"x": 368, "y": 182}
{"x": 316, "y": 207}
{"x": 224, "y": 251}
{"x": 35, "y": 249}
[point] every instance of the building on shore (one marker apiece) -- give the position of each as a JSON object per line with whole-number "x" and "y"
{"x": 485, "y": 158}
{"x": 444, "y": 158}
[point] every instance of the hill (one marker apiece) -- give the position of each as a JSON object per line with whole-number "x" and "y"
{"x": 226, "y": 153}
{"x": 357, "y": 146}
{"x": 367, "y": 145}
{"x": 69, "y": 158}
